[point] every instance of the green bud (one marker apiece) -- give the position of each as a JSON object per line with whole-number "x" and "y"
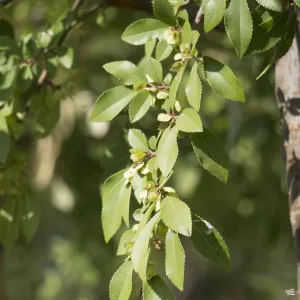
{"x": 140, "y": 86}
{"x": 150, "y": 185}
{"x": 153, "y": 195}
{"x": 137, "y": 157}
{"x": 176, "y": 67}
{"x": 163, "y": 118}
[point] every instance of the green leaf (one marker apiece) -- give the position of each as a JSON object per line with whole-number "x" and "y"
{"x": 193, "y": 88}
{"x": 194, "y": 39}
{"x": 209, "y": 243}
{"x": 126, "y": 239}
{"x": 66, "y": 56}
{"x": 163, "y": 50}
{"x": 297, "y": 2}
{"x": 151, "y": 69}
{"x": 10, "y": 220}
{"x": 138, "y": 140}
{"x": 114, "y": 207}
{"x": 283, "y": 46}
{"x": 4, "y": 140}
{"x": 175, "y": 86}
{"x": 213, "y": 14}
{"x": 269, "y": 28}
{"x": 142, "y": 31}
{"x": 25, "y": 78}
{"x": 140, "y": 249}
{"x": 222, "y": 80}
{"x": 271, "y": 4}
{"x": 211, "y": 154}
{"x": 9, "y": 46}
{"x": 189, "y": 121}
{"x": 239, "y": 25}
{"x": 163, "y": 10}
{"x": 44, "y": 39}
{"x": 149, "y": 47}
{"x": 139, "y": 106}
{"x": 176, "y": 215}
{"x": 167, "y": 151}
{"x": 175, "y": 259}
{"x": 110, "y": 183}
{"x": 127, "y": 72}
{"x": 6, "y": 29}
{"x": 120, "y": 286}
{"x": 31, "y": 216}
{"x": 8, "y": 79}
{"x": 145, "y": 218}
{"x": 138, "y": 184}
{"x": 111, "y": 103}
{"x": 47, "y": 115}
{"x": 152, "y": 142}
{"x": 156, "y": 289}
{"x": 186, "y": 34}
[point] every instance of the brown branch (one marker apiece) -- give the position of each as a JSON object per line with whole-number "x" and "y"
{"x": 146, "y": 6}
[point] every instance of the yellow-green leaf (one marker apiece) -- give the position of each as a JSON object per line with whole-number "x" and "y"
{"x": 175, "y": 259}
{"x": 120, "y": 286}
{"x": 176, "y": 215}
{"x": 111, "y": 103}
{"x": 193, "y": 88}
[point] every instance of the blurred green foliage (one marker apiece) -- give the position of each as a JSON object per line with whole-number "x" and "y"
{"x": 68, "y": 259}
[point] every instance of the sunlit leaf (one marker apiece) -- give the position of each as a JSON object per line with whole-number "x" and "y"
{"x": 176, "y": 215}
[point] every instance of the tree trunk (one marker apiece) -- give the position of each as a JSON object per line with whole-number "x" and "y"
{"x": 288, "y": 99}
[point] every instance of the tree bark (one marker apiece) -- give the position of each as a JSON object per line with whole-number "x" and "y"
{"x": 288, "y": 100}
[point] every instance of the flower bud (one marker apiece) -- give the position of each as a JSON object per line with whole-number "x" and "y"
{"x": 150, "y": 185}
{"x": 178, "y": 56}
{"x": 137, "y": 157}
{"x": 176, "y": 66}
{"x": 163, "y": 118}
{"x": 177, "y": 106}
{"x": 162, "y": 95}
{"x": 140, "y": 86}
{"x": 153, "y": 195}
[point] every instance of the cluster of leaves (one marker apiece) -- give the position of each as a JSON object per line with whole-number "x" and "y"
{"x": 270, "y": 26}
{"x": 163, "y": 217}
{"x": 26, "y": 69}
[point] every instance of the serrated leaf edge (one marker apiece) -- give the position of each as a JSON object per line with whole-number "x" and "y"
{"x": 225, "y": 24}
{"x": 184, "y": 257}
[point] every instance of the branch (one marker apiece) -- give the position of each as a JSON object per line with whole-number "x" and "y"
{"x": 146, "y": 6}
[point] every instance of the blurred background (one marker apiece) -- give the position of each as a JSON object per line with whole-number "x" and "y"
{"x": 68, "y": 258}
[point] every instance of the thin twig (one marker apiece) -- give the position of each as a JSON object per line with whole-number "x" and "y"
{"x": 199, "y": 15}
{"x": 80, "y": 19}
